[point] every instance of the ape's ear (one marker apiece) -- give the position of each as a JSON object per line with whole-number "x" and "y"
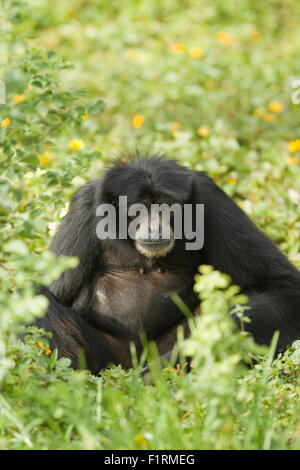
{"x": 76, "y": 236}
{"x": 232, "y": 243}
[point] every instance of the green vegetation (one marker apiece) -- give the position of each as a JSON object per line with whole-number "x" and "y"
{"x": 209, "y": 83}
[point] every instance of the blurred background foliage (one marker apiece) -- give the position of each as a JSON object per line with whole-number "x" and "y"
{"x": 209, "y": 83}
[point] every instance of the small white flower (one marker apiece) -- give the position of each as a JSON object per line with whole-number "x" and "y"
{"x": 294, "y": 196}
{"x": 64, "y": 211}
{"x": 52, "y": 226}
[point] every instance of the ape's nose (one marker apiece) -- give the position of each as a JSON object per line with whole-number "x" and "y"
{"x": 155, "y": 234}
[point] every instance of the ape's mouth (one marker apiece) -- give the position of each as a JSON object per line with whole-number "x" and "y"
{"x": 152, "y": 248}
{"x": 154, "y": 242}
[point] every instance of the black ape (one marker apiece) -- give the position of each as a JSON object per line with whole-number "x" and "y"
{"x": 122, "y": 286}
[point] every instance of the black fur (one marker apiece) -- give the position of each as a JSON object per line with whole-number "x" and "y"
{"x": 135, "y": 289}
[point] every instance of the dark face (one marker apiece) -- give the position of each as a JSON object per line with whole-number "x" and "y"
{"x": 154, "y": 234}
{"x": 154, "y": 190}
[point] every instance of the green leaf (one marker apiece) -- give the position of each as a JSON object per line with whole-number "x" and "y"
{"x": 31, "y": 160}
{"x": 51, "y": 54}
{"x": 96, "y": 108}
{"x": 17, "y": 247}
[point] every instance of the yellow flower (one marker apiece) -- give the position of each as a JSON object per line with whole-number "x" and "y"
{"x": 195, "y": 52}
{"x": 294, "y": 145}
{"x": 293, "y": 161}
{"x": 177, "y": 48}
{"x": 18, "y": 99}
{"x": 6, "y": 122}
{"x": 46, "y": 349}
{"x": 225, "y": 38}
{"x": 175, "y": 126}
{"x": 84, "y": 116}
{"x": 269, "y": 117}
{"x": 255, "y": 36}
{"x": 76, "y": 144}
{"x": 174, "y": 129}
{"x": 131, "y": 54}
{"x": 232, "y": 181}
{"x": 45, "y": 158}
{"x": 138, "y": 120}
{"x": 140, "y": 440}
{"x": 203, "y": 131}
{"x": 275, "y": 107}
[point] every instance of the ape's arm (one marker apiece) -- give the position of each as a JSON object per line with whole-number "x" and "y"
{"x": 235, "y": 246}
{"x": 76, "y": 236}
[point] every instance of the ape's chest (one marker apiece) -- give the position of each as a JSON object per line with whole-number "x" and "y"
{"x": 142, "y": 301}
